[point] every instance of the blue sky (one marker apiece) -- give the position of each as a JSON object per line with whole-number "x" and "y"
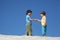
{"x": 13, "y": 12}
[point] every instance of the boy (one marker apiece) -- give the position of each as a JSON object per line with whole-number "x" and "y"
{"x": 28, "y": 23}
{"x": 43, "y": 22}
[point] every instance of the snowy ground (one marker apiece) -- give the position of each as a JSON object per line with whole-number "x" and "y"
{"x": 10, "y": 37}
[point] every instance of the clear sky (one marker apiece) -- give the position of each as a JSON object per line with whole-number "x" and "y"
{"x": 13, "y": 13}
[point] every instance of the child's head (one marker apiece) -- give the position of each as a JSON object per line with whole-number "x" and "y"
{"x": 43, "y": 13}
{"x": 28, "y": 12}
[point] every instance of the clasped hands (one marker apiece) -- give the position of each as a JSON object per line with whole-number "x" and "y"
{"x": 36, "y": 20}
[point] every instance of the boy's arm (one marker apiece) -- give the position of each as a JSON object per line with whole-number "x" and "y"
{"x": 30, "y": 19}
{"x": 37, "y": 20}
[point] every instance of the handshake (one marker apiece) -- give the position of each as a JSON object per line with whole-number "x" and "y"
{"x": 37, "y": 20}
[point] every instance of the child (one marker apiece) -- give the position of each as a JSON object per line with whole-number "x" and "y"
{"x": 28, "y": 23}
{"x": 43, "y": 22}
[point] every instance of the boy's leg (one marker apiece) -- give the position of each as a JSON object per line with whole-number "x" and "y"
{"x": 30, "y": 30}
{"x": 27, "y": 29}
{"x": 44, "y": 31}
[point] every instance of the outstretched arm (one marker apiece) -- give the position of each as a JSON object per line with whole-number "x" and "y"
{"x": 30, "y": 19}
{"x": 37, "y": 20}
